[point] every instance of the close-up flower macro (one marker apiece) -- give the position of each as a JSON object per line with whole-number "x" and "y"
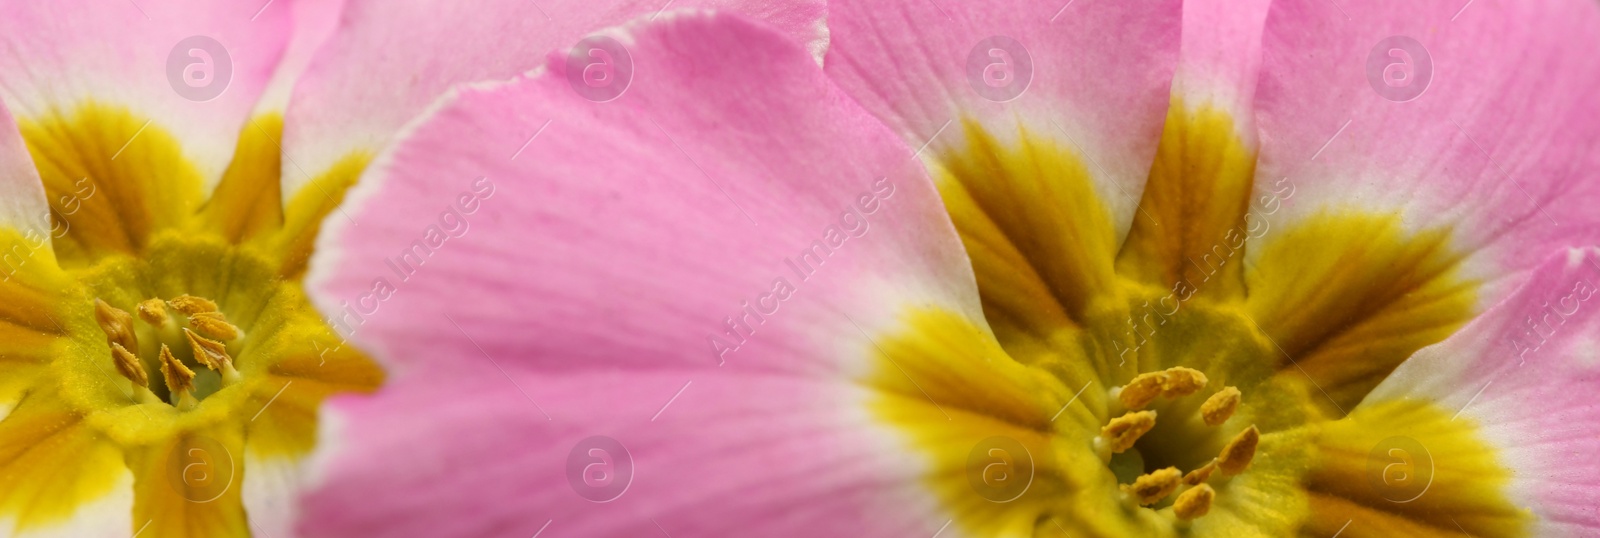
{"x": 887, "y": 268}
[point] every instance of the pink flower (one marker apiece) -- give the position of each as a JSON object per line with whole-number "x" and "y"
{"x": 165, "y": 168}
{"x": 1314, "y": 268}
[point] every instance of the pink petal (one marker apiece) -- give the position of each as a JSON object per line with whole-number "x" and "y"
{"x": 713, "y": 453}
{"x": 61, "y": 55}
{"x": 389, "y": 60}
{"x": 1101, "y": 74}
{"x": 311, "y": 23}
{"x": 617, "y": 239}
{"x": 631, "y": 232}
{"x": 23, "y": 208}
{"x": 1525, "y": 372}
{"x": 1221, "y": 56}
{"x": 1500, "y": 143}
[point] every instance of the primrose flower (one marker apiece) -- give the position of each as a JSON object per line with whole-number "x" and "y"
{"x": 161, "y": 366}
{"x": 1106, "y": 269}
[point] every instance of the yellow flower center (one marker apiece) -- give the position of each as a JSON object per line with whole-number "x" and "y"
{"x": 1200, "y": 369}
{"x": 158, "y": 342}
{"x": 1186, "y": 443}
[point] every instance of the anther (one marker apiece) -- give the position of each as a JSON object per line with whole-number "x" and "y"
{"x": 1201, "y": 474}
{"x": 180, "y": 379}
{"x": 1220, "y": 406}
{"x": 153, "y": 311}
{"x": 1122, "y": 432}
{"x": 128, "y": 365}
{"x": 212, "y": 354}
{"x": 1151, "y": 488}
{"x": 116, "y": 323}
{"x": 214, "y": 325}
{"x": 1171, "y": 383}
{"x": 1142, "y": 390}
{"x": 1236, "y": 456}
{"x": 191, "y": 305}
{"x": 1182, "y": 381}
{"x": 1194, "y": 503}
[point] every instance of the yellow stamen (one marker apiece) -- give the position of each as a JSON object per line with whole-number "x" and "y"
{"x": 153, "y": 311}
{"x": 116, "y": 323}
{"x": 128, "y": 365}
{"x": 209, "y": 353}
{"x": 1182, "y": 381}
{"x": 1194, "y": 503}
{"x": 212, "y": 354}
{"x": 180, "y": 379}
{"x": 1151, "y": 488}
{"x": 1171, "y": 383}
{"x": 191, "y": 305}
{"x": 1220, "y": 406}
{"x": 1122, "y": 432}
{"x": 1197, "y": 476}
{"x": 1236, "y": 456}
{"x": 1142, "y": 390}
{"x": 214, "y": 325}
